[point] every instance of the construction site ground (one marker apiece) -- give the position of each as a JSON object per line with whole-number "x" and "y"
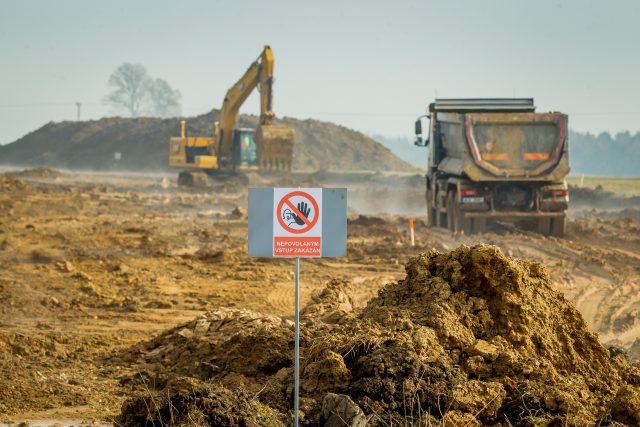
{"x": 93, "y": 264}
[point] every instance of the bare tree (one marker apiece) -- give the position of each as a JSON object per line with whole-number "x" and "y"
{"x": 165, "y": 100}
{"x": 134, "y": 91}
{"x": 130, "y": 84}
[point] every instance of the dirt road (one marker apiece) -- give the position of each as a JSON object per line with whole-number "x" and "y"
{"x": 92, "y": 264}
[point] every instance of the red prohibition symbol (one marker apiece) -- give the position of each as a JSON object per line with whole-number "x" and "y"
{"x": 308, "y": 224}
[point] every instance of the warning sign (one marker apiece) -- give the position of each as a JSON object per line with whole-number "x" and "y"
{"x": 297, "y": 222}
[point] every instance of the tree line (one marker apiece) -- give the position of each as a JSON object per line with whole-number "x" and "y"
{"x": 605, "y": 154}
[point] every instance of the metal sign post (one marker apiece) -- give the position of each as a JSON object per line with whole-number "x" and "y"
{"x": 297, "y": 223}
{"x": 296, "y": 352}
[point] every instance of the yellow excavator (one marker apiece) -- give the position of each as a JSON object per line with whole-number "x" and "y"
{"x": 232, "y": 150}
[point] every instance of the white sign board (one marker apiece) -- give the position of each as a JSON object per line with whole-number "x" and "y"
{"x": 297, "y": 222}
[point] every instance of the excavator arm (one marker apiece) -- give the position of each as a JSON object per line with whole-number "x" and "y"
{"x": 274, "y": 143}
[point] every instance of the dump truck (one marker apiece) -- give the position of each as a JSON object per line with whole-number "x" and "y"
{"x": 495, "y": 160}
{"x": 231, "y": 150}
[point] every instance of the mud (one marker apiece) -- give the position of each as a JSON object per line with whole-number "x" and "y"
{"x": 469, "y": 334}
{"x": 98, "y": 269}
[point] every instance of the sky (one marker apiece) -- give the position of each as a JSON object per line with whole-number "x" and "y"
{"x": 371, "y": 66}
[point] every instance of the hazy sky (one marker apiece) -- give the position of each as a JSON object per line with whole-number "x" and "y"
{"x": 372, "y": 66}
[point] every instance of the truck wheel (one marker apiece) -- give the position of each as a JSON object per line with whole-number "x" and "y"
{"x": 464, "y": 224}
{"x": 431, "y": 212}
{"x": 455, "y": 220}
{"x": 441, "y": 218}
{"x": 450, "y": 225}
{"x": 478, "y": 225}
{"x": 544, "y": 226}
{"x": 557, "y": 227}
{"x": 451, "y": 216}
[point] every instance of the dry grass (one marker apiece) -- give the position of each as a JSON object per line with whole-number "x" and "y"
{"x": 349, "y": 347}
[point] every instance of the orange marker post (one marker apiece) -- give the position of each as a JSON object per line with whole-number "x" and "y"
{"x": 413, "y": 240}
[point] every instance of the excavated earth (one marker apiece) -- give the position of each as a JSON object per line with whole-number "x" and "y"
{"x": 143, "y": 144}
{"x": 469, "y": 337}
{"x": 128, "y": 301}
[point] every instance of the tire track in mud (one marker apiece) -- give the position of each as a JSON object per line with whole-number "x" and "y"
{"x": 588, "y": 303}
{"x": 281, "y": 299}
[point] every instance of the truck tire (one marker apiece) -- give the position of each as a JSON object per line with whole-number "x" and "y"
{"x": 449, "y": 213}
{"x": 544, "y": 226}
{"x": 457, "y": 222}
{"x": 431, "y": 211}
{"x": 441, "y": 218}
{"x": 462, "y": 223}
{"x": 454, "y": 219}
{"x": 478, "y": 225}
{"x": 557, "y": 227}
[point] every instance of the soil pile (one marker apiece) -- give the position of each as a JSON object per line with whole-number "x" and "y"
{"x": 221, "y": 341}
{"x": 470, "y": 337}
{"x": 8, "y": 185}
{"x": 143, "y": 145}
{"x": 45, "y": 173}
{"x": 621, "y": 218}
{"x": 189, "y": 402}
{"x": 334, "y": 304}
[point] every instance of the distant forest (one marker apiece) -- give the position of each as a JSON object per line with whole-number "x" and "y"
{"x": 605, "y": 155}
{"x": 602, "y": 154}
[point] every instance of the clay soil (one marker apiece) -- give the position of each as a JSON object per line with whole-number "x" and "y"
{"x": 103, "y": 275}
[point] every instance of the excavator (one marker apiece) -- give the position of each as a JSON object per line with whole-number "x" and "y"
{"x": 231, "y": 150}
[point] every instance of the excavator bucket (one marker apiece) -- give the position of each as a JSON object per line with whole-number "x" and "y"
{"x": 274, "y": 147}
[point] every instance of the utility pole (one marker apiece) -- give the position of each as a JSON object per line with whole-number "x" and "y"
{"x": 78, "y": 106}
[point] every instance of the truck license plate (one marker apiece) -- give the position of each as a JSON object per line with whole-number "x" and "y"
{"x": 472, "y": 200}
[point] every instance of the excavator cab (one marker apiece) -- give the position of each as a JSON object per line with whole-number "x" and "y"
{"x": 245, "y": 151}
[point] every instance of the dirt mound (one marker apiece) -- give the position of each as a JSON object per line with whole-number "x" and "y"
{"x": 470, "y": 337}
{"x": 27, "y": 365}
{"x": 367, "y": 221}
{"x": 189, "y": 402}
{"x": 369, "y": 225}
{"x": 142, "y": 144}
{"x": 36, "y": 173}
{"x": 221, "y": 341}
{"x": 8, "y": 184}
{"x": 622, "y": 217}
{"x": 333, "y": 304}
{"x": 634, "y": 351}
{"x": 475, "y": 334}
